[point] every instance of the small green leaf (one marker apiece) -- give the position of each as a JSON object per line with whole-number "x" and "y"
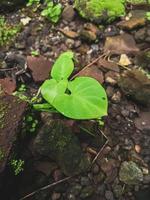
{"x": 88, "y": 100}
{"x": 63, "y": 66}
{"x": 51, "y": 88}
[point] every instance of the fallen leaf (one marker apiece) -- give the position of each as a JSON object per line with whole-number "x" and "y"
{"x": 124, "y": 60}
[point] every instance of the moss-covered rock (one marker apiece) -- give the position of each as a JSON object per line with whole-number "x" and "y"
{"x": 58, "y": 143}
{"x": 100, "y": 10}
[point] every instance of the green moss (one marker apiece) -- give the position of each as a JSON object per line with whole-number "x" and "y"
{"x": 100, "y": 10}
{"x": 3, "y": 110}
{"x": 7, "y": 32}
{"x": 1, "y": 155}
{"x": 138, "y": 1}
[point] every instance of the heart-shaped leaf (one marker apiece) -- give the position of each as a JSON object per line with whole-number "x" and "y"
{"x": 87, "y": 100}
{"x": 63, "y": 66}
{"x": 51, "y": 88}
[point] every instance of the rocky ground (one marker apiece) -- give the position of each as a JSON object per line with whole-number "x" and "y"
{"x": 60, "y": 153}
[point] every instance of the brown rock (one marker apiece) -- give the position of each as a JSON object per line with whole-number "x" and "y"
{"x": 68, "y": 13}
{"x": 120, "y": 44}
{"x": 143, "y": 121}
{"x": 8, "y": 85}
{"x": 93, "y": 72}
{"x": 136, "y": 84}
{"x": 69, "y": 33}
{"x": 111, "y": 77}
{"x": 137, "y": 19}
{"x": 106, "y": 65}
{"x": 40, "y": 67}
{"x": 89, "y": 32}
{"x": 12, "y": 112}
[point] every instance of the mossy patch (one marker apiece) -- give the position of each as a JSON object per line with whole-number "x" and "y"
{"x": 7, "y": 32}
{"x": 138, "y": 1}
{"x": 3, "y": 110}
{"x": 100, "y": 10}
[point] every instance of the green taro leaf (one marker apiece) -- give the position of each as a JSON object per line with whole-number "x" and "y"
{"x": 51, "y": 88}
{"x": 63, "y": 66}
{"x": 87, "y": 100}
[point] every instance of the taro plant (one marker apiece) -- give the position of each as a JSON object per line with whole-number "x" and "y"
{"x": 81, "y": 98}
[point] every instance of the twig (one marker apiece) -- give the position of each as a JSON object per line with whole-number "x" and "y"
{"x": 46, "y": 187}
{"x": 89, "y": 65}
{"x": 99, "y": 153}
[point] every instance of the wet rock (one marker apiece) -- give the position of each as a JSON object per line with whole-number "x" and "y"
{"x": 97, "y": 11}
{"x": 55, "y": 196}
{"x": 86, "y": 192}
{"x": 7, "y": 4}
{"x": 130, "y": 173}
{"x": 57, "y": 142}
{"x": 116, "y": 98}
{"x": 111, "y": 78}
{"x": 143, "y": 59}
{"x": 135, "y": 84}
{"x": 8, "y": 85}
{"x": 95, "y": 168}
{"x": 143, "y": 194}
{"x": 109, "y": 167}
{"x": 120, "y": 44}
{"x": 143, "y": 121}
{"x": 71, "y": 197}
{"x": 118, "y": 190}
{"x": 94, "y": 72}
{"x": 12, "y": 111}
{"x": 106, "y": 65}
{"x": 140, "y": 35}
{"x": 137, "y": 19}
{"x": 68, "y": 13}
{"x": 75, "y": 190}
{"x": 45, "y": 167}
{"x": 89, "y": 32}
{"x": 99, "y": 178}
{"x": 109, "y": 195}
{"x": 69, "y": 33}
{"x": 40, "y": 67}
{"x": 85, "y": 181}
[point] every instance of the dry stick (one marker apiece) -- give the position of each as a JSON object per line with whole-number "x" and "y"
{"x": 90, "y": 64}
{"x": 46, "y": 187}
{"x": 99, "y": 153}
{"x": 101, "y": 150}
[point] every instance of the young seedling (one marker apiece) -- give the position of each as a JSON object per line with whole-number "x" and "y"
{"x": 52, "y": 12}
{"x": 81, "y": 98}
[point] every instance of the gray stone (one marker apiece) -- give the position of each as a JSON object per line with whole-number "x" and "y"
{"x": 57, "y": 142}
{"x": 86, "y": 192}
{"x": 130, "y": 173}
{"x": 109, "y": 195}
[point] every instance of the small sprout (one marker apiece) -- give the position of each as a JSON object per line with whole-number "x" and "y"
{"x": 52, "y": 12}
{"x": 34, "y": 53}
{"x": 32, "y": 2}
{"x": 17, "y": 166}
